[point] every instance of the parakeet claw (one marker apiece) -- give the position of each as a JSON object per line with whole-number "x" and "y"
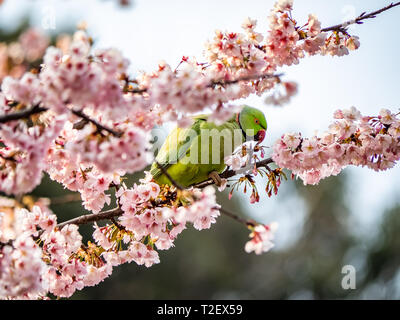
{"x": 214, "y": 175}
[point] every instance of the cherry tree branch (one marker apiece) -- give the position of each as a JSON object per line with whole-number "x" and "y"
{"x": 230, "y": 173}
{"x": 88, "y": 218}
{"x": 38, "y": 109}
{"x": 12, "y": 159}
{"x": 248, "y": 223}
{"x": 22, "y": 114}
{"x": 3, "y": 244}
{"x": 363, "y": 16}
{"x": 223, "y": 82}
{"x": 98, "y": 125}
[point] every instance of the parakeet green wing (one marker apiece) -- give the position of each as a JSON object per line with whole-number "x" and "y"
{"x": 176, "y": 145}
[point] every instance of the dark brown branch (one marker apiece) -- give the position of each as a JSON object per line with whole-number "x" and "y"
{"x": 22, "y": 114}
{"x": 342, "y": 27}
{"x": 88, "y": 218}
{"x": 38, "y": 109}
{"x": 8, "y": 158}
{"x": 98, "y": 125}
{"x": 119, "y": 226}
{"x": 3, "y": 244}
{"x": 230, "y": 173}
{"x": 139, "y": 91}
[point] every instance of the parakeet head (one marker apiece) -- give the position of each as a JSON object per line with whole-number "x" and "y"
{"x": 252, "y": 120}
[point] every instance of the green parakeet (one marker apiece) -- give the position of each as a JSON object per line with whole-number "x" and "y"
{"x": 194, "y": 154}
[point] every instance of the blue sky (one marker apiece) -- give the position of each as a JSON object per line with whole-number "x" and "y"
{"x": 155, "y": 30}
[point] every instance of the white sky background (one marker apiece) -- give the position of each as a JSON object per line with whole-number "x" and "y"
{"x": 155, "y": 30}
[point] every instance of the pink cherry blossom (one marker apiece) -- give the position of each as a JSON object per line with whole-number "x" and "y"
{"x": 261, "y": 238}
{"x": 204, "y": 211}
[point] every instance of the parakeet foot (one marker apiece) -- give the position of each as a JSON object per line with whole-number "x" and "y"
{"x": 214, "y": 175}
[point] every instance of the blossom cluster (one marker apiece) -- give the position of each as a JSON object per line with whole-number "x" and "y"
{"x": 89, "y": 181}
{"x": 148, "y": 221}
{"x": 148, "y": 218}
{"x": 352, "y": 139}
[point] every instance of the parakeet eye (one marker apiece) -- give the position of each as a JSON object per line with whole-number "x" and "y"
{"x": 257, "y": 121}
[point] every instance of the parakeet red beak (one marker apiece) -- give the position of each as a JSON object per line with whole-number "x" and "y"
{"x": 260, "y": 136}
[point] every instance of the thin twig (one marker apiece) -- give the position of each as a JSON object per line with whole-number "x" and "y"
{"x": 244, "y": 78}
{"x": 230, "y": 173}
{"x": 342, "y": 27}
{"x": 235, "y": 217}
